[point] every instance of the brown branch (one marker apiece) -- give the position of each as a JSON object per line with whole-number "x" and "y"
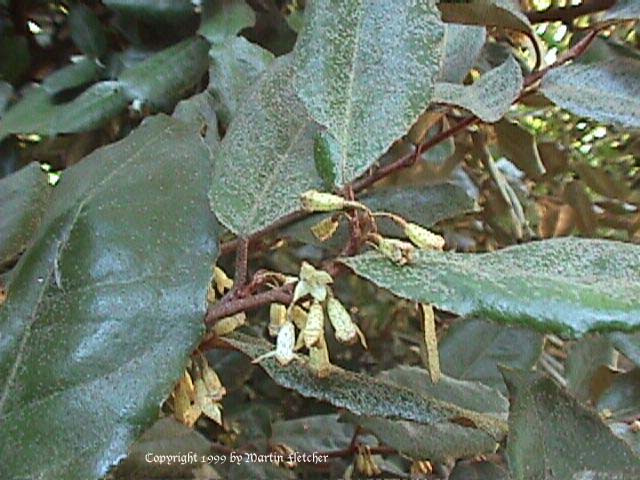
{"x": 569, "y": 13}
{"x": 242, "y": 259}
{"x": 220, "y": 310}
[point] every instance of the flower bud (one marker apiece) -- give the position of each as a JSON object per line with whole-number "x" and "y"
{"x": 346, "y": 331}
{"x": 314, "y": 201}
{"x": 277, "y": 318}
{"x": 423, "y": 238}
{"x": 396, "y": 250}
{"x": 325, "y": 229}
{"x": 315, "y": 325}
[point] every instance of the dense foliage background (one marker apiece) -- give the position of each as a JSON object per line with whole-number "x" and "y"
{"x": 145, "y": 142}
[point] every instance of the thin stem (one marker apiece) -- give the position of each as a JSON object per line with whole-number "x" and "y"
{"x": 242, "y": 260}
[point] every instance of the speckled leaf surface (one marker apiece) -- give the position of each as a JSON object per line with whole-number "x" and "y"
{"x": 495, "y": 13}
{"x": 223, "y": 19}
{"x": 488, "y": 98}
{"x": 570, "y": 286}
{"x": 462, "y": 45}
{"x": 624, "y": 10}
{"x": 472, "y": 349}
{"x": 165, "y": 77}
{"x": 606, "y": 91}
{"x": 362, "y": 394}
{"x": 23, "y": 198}
{"x": 234, "y": 67}
{"x": 552, "y": 437}
{"x": 366, "y": 71}
{"x": 265, "y": 160}
{"x": 37, "y": 113}
{"x": 106, "y": 305}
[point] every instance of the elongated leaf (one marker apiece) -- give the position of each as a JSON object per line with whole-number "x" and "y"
{"x": 86, "y": 31}
{"x": 366, "y": 71}
{"x": 494, "y": 13}
{"x": 462, "y": 45}
{"x": 265, "y": 160}
{"x": 316, "y": 433}
{"x": 166, "y": 11}
{"x": 520, "y": 146}
{"x": 361, "y": 394}
{"x": 472, "y": 350}
{"x": 161, "y": 80}
{"x": 490, "y": 97}
{"x": 624, "y": 10}
{"x": 23, "y": 198}
{"x": 72, "y": 76}
{"x": 224, "y": 19}
{"x": 606, "y": 91}
{"x": 553, "y": 437}
{"x": 36, "y": 112}
{"x": 568, "y": 285}
{"x": 106, "y": 305}
{"x": 235, "y": 66}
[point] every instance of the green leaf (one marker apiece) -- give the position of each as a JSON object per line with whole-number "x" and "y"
{"x": 72, "y": 76}
{"x": 490, "y": 97}
{"x": 584, "y": 362}
{"x": 165, "y": 11}
{"x": 493, "y": 13}
{"x": 520, "y": 146}
{"x": 622, "y": 397}
{"x": 553, "y": 437}
{"x": 165, "y": 437}
{"x": 441, "y": 441}
{"x": 606, "y": 91}
{"x": 6, "y": 92}
{"x": 107, "y": 303}
{"x": 164, "y": 78}
{"x": 627, "y": 343}
{"x": 425, "y": 205}
{"x": 23, "y": 198}
{"x": 234, "y": 67}
{"x": 350, "y": 56}
{"x": 224, "y": 19}
{"x": 316, "y": 433}
{"x": 265, "y": 160}
{"x": 472, "y": 350}
{"x": 624, "y": 10}
{"x": 86, "y": 31}
{"x": 474, "y": 470}
{"x": 361, "y": 394}
{"x": 462, "y": 45}
{"x": 15, "y": 58}
{"x": 200, "y": 111}
{"x": 567, "y": 285}
{"x": 37, "y": 113}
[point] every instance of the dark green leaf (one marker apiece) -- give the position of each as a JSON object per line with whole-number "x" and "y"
{"x": 164, "y": 78}
{"x": 606, "y": 91}
{"x": 490, "y": 97}
{"x": 584, "y": 362}
{"x": 86, "y": 31}
{"x": 265, "y": 160}
{"x": 6, "y": 92}
{"x": 494, "y": 13}
{"x": 23, "y": 198}
{"x": 14, "y": 58}
{"x": 478, "y": 471}
{"x": 72, "y": 76}
{"x": 622, "y": 398}
{"x": 624, "y": 10}
{"x": 472, "y": 350}
{"x": 553, "y": 437}
{"x": 462, "y": 45}
{"x": 36, "y": 112}
{"x": 566, "y": 285}
{"x": 165, "y": 11}
{"x": 200, "y": 110}
{"x": 235, "y": 66}
{"x": 317, "y": 433}
{"x": 107, "y": 303}
{"x": 350, "y": 56}
{"x": 520, "y": 147}
{"x": 165, "y": 437}
{"x": 361, "y": 394}
{"x": 224, "y": 19}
